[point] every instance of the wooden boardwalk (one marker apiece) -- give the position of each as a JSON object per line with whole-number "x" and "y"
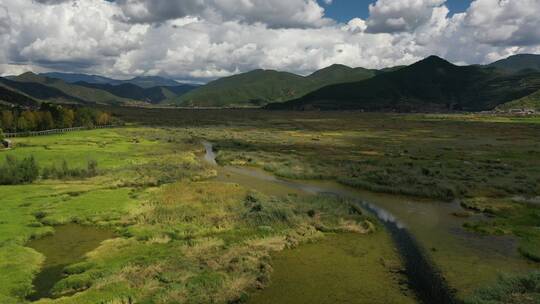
{"x": 54, "y": 131}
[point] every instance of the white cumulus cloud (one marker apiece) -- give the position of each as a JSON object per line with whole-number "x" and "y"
{"x": 199, "y": 40}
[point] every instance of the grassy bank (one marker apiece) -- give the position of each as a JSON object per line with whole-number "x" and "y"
{"x": 467, "y": 158}
{"x": 181, "y": 237}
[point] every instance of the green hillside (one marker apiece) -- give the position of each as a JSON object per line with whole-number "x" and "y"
{"x": 432, "y": 84}
{"x": 261, "y": 87}
{"x": 253, "y": 88}
{"x": 39, "y": 91}
{"x": 338, "y": 73}
{"x": 518, "y": 63}
{"x": 130, "y": 91}
{"x": 530, "y": 102}
{"x": 76, "y": 93}
{"x": 9, "y": 97}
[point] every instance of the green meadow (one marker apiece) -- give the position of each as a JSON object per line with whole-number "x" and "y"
{"x": 185, "y": 231}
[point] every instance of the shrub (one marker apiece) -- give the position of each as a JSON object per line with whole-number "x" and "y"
{"x": 523, "y": 289}
{"x": 263, "y": 211}
{"x": 64, "y": 172}
{"x": 15, "y": 172}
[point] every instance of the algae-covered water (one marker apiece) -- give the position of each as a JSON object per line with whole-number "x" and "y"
{"x": 341, "y": 268}
{"x": 66, "y": 246}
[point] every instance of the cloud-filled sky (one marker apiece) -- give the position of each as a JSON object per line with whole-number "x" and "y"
{"x": 199, "y": 40}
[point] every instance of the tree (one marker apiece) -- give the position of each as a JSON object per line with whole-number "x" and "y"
{"x": 68, "y": 118}
{"x": 85, "y": 117}
{"x": 46, "y": 122}
{"x": 7, "y": 120}
{"x": 2, "y": 136}
{"x": 103, "y": 119}
{"x": 31, "y": 120}
{"x": 22, "y": 124}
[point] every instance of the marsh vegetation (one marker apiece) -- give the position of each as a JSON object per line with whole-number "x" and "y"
{"x": 186, "y": 231}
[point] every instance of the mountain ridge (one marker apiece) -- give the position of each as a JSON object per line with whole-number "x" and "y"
{"x": 431, "y": 84}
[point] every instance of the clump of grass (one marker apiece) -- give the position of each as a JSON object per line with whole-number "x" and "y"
{"x": 523, "y": 289}
{"x": 508, "y": 218}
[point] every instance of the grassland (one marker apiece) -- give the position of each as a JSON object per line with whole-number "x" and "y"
{"x": 181, "y": 237}
{"x": 184, "y": 237}
{"x": 466, "y": 158}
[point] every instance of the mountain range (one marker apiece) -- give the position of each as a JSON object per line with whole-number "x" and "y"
{"x": 261, "y": 87}
{"x": 74, "y": 89}
{"x": 141, "y": 81}
{"x": 432, "y": 84}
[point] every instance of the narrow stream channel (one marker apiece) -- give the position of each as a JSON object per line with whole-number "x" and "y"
{"x": 424, "y": 278}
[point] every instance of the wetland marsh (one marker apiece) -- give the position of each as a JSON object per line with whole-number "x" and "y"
{"x": 290, "y": 198}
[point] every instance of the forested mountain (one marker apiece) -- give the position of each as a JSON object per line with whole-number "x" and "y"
{"x": 432, "y": 84}
{"x": 40, "y": 91}
{"x": 73, "y": 78}
{"x": 518, "y": 63}
{"x": 260, "y": 87}
{"x": 10, "y": 98}
{"x": 529, "y": 102}
{"x": 56, "y": 90}
{"x": 77, "y": 94}
{"x": 152, "y": 95}
{"x": 141, "y": 81}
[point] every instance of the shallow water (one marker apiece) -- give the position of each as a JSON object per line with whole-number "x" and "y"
{"x": 467, "y": 260}
{"x": 66, "y": 246}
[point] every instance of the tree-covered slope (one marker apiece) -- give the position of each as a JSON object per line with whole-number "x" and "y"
{"x": 9, "y": 97}
{"x": 40, "y": 91}
{"x": 141, "y": 81}
{"x": 432, "y": 84}
{"x": 73, "y": 78}
{"x": 338, "y": 73}
{"x": 151, "y": 95}
{"x": 518, "y": 63}
{"x": 260, "y": 87}
{"x": 78, "y": 93}
{"x": 529, "y": 102}
{"x": 253, "y": 88}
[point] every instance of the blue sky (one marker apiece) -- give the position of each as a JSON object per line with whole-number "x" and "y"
{"x": 345, "y": 10}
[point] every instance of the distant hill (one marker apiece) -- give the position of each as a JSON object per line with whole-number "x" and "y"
{"x": 530, "y": 102}
{"x": 40, "y": 91}
{"x": 141, "y": 81}
{"x": 432, "y": 84}
{"x": 152, "y": 81}
{"x": 254, "y": 88}
{"x": 76, "y": 93}
{"x": 152, "y": 95}
{"x": 73, "y": 78}
{"x": 518, "y": 63}
{"x": 260, "y": 87}
{"x": 9, "y": 97}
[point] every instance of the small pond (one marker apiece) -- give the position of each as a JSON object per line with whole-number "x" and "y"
{"x": 66, "y": 246}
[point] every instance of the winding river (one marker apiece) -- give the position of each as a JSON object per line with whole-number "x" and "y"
{"x": 442, "y": 261}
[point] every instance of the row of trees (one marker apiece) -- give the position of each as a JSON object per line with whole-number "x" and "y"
{"x": 51, "y": 116}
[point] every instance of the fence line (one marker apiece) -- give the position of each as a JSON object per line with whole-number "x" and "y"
{"x": 54, "y": 131}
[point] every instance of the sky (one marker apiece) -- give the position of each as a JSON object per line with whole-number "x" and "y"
{"x": 345, "y": 10}
{"x": 201, "y": 40}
